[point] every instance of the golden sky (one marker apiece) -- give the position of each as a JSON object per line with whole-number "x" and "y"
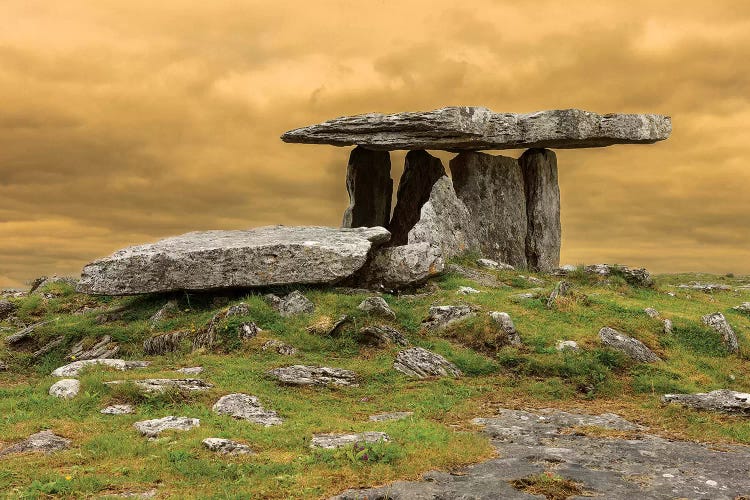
{"x": 125, "y": 121}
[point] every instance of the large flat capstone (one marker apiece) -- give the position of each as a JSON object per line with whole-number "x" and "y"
{"x": 266, "y": 256}
{"x": 460, "y": 128}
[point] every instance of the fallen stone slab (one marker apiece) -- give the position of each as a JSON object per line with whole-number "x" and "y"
{"x": 246, "y": 407}
{"x": 379, "y": 335}
{"x": 226, "y": 446}
{"x": 421, "y": 363}
{"x": 248, "y": 331}
{"x": 74, "y": 368}
{"x": 722, "y": 401}
{"x": 314, "y": 375}
{"x": 41, "y": 442}
{"x": 291, "y": 304}
{"x": 462, "y": 128}
{"x": 718, "y": 322}
{"x": 627, "y": 345}
{"x": 333, "y": 441}
{"x": 117, "y": 410}
{"x": 103, "y": 348}
{"x": 66, "y": 388}
{"x": 395, "y": 415}
{"x": 266, "y": 256}
{"x": 152, "y": 428}
{"x": 158, "y": 385}
{"x": 279, "y": 347}
{"x": 443, "y": 316}
{"x": 508, "y": 333}
{"x": 377, "y": 306}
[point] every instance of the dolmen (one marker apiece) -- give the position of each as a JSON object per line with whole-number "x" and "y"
{"x": 506, "y": 209}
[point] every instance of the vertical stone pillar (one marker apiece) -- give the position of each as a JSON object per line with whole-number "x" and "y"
{"x": 539, "y": 168}
{"x": 492, "y": 188}
{"x": 370, "y": 187}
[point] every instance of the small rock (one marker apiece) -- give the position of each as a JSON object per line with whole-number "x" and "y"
{"x": 396, "y": 415}
{"x": 66, "y": 388}
{"x": 314, "y": 375}
{"x": 167, "y": 310}
{"x": 291, "y": 304}
{"x": 247, "y": 331}
{"x": 722, "y": 401}
{"x": 41, "y": 442}
{"x": 378, "y": 335}
{"x": 421, "y": 363}
{"x": 562, "y": 289}
{"x": 102, "y": 349}
{"x": 152, "y": 428}
{"x": 705, "y": 287}
{"x": 21, "y": 337}
{"x": 6, "y": 309}
{"x": 333, "y": 441}
{"x": 192, "y": 370}
{"x": 668, "y": 327}
{"x": 533, "y": 280}
{"x": 508, "y": 329}
{"x": 718, "y": 322}
{"x": 280, "y": 347}
{"x": 246, "y": 407}
{"x": 478, "y": 276}
{"x": 653, "y": 313}
{"x": 744, "y": 307}
{"x": 525, "y": 296}
{"x": 138, "y": 494}
{"x": 467, "y": 290}
{"x": 164, "y": 343}
{"x": 241, "y": 309}
{"x": 157, "y": 385}
{"x": 117, "y": 410}
{"x": 443, "y": 316}
{"x": 633, "y": 348}
{"x": 493, "y": 264}
{"x": 48, "y": 347}
{"x": 72, "y": 369}
{"x": 226, "y": 446}
{"x": 3, "y": 366}
{"x": 567, "y": 345}
{"x": 377, "y": 306}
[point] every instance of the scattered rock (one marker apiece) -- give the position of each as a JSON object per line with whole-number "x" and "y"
{"x": 138, "y": 494}
{"x": 396, "y": 415}
{"x": 567, "y": 345}
{"x": 333, "y": 441}
{"x": 22, "y": 338}
{"x": 291, "y": 304}
{"x": 633, "y": 348}
{"x": 744, "y": 307}
{"x": 7, "y": 308}
{"x": 378, "y": 335}
{"x": 246, "y": 407}
{"x": 562, "y": 289}
{"x": 115, "y": 314}
{"x": 421, "y": 363}
{"x": 718, "y": 322}
{"x": 467, "y": 290}
{"x": 505, "y": 324}
{"x": 192, "y": 370}
{"x": 3, "y": 366}
{"x": 493, "y": 264}
{"x": 668, "y": 327}
{"x": 167, "y": 310}
{"x": 393, "y": 268}
{"x": 279, "y": 347}
{"x": 476, "y": 275}
{"x": 164, "y": 343}
{"x": 722, "y": 401}
{"x": 104, "y": 348}
{"x": 240, "y": 309}
{"x": 525, "y": 296}
{"x": 66, "y": 388}
{"x": 43, "y": 281}
{"x": 152, "y": 428}
{"x": 634, "y": 276}
{"x": 377, "y": 306}
{"x": 247, "y": 331}
{"x": 444, "y": 316}
{"x": 48, "y": 347}
{"x": 41, "y": 442}
{"x": 226, "y": 446}
{"x": 652, "y": 313}
{"x": 370, "y": 188}
{"x": 314, "y": 375}
{"x": 117, "y": 410}
{"x": 157, "y": 385}
{"x": 72, "y": 369}
{"x": 705, "y": 287}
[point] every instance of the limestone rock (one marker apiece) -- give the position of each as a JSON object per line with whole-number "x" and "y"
{"x": 459, "y": 128}
{"x": 508, "y": 330}
{"x": 226, "y": 446}
{"x": 634, "y": 276}
{"x": 104, "y": 348}
{"x": 493, "y": 264}
{"x": 66, "y": 388}
{"x": 23, "y": 337}
{"x": 377, "y": 306}
{"x": 6, "y": 309}
{"x": 744, "y": 307}
{"x": 240, "y": 309}
{"x": 478, "y": 276}
{"x": 467, "y": 290}
{"x": 396, "y": 415}
{"x": 562, "y": 289}
{"x": 492, "y": 189}
{"x": 117, "y": 410}
{"x": 631, "y": 347}
{"x": 246, "y": 407}
{"x": 38, "y": 285}
{"x": 378, "y": 335}
{"x": 398, "y": 267}
{"x": 247, "y": 331}
{"x": 718, "y": 322}
{"x": 164, "y": 343}
{"x": 668, "y": 326}
{"x": 314, "y": 375}
{"x": 291, "y": 304}
{"x": 722, "y": 401}
{"x": 370, "y": 188}
{"x": 543, "y": 235}
{"x": 48, "y": 347}
{"x": 72, "y": 369}
{"x": 333, "y": 441}
{"x": 279, "y": 347}
{"x": 705, "y": 287}
{"x": 191, "y": 370}
{"x": 651, "y": 312}
{"x": 266, "y": 256}
{"x": 567, "y": 345}
{"x": 152, "y": 428}
{"x": 421, "y": 363}
{"x": 167, "y": 310}
{"x": 443, "y": 316}
{"x": 41, "y": 442}
{"x": 157, "y": 385}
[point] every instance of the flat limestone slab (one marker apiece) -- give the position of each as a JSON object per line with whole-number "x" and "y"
{"x": 461, "y": 128}
{"x": 265, "y": 256}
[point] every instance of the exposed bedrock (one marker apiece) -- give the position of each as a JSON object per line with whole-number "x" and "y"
{"x": 370, "y": 187}
{"x": 492, "y": 189}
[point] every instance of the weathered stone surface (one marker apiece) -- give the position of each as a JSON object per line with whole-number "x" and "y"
{"x": 157, "y": 385}
{"x": 508, "y": 333}
{"x": 651, "y": 312}
{"x": 396, "y": 415}
{"x": 191, "y": 370}
{"x": 66, "y": 388}
{"x": 314, "y": 375}
{"x": 272, "y": 255}
{"x": 72, "y": 369}
{"x": 333, "y": 441}
{"x": 543, "y": 235}
{"x": 291, "y": 304}
{"x": 166, "y": 311}
{"x": 718, "y": 322}
{"x": 23, "y": 337}
{"x": 467, "y": 290}
{"x": 41, "y": 442}
{"x": 279, "y": 347}
{"x": 634, "y": 276}
{"x": 370, "y": 188}
{"x": 398, "y": 267}
{"x": 668, "y": 326}
{"x": 493, "y": 264}
{"x": 562, "y": 289}
{"x": 152, "y": 428}
{"x": 164, "y": 343}
{"x": 246, "y": 407}
{"x": 117, "y": 410}
{"x": 421, "y": 172}
{"x": 378, "y": 335}
{"x": 377, "y": 306}
{"x": 492, "y": 188}
{"x": 477, "y": 128}
{"x": 722, "y": 401}
{"x": 478, "y": 276}
{"x": 247, "y": 331}
{"x": 744, "y": 307}
{"x": 226, "y": 446}
{"x": 38, "y": 285}
{"x": 567, "y": 345}
{"x": 705, "y": 287}
{"x": 443, "y": 316}
{"x": 48, "y": 347}
{"x": 104, "y": 348}
{"x": 631, "y": 347}
{"x": 6, "y": 309}
{"x": 421, "y": 363}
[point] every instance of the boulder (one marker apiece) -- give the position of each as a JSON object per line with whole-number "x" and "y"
{"x": 266, "y": 256}
{"x": 314, "y": 375}
{"x": 370, "y": 188}
{"x": 421, "y": 363}
{"x": 378, "y": 335}
{"x": 492, "y": 189}
{"x": 442, "y": 316}
{"x": 279, "y": 347}
{"x": 333, "y": 441}
{"x": 226, "y": 446}
{"x": 718, "y": 322}
{"x": 158, "y": 385}
{"x": 508, "y": 333}
{"x": 66, "y": 388}
{"x": 164, "y": 343}
{"x": 466, "y": 128}
{"x": 72, "y": 369}
{"x": 246, "y": 407}
{"x": 117, "y": 410}
{"x": 104, "y": 348}
{"x": 291, "y": 304}
{"x": 493, "y": 264}
{"x": 629, "y": 346}
{"x": 567, "y": 345}
{"x": 543, "y": 234}
{"x": 41, "y": 442}
{"x": 396, "y": 415}
{"x": 392, "y": 268}
{"x": 722, "y": 401}
{"x": 377, "y": 306}
{"x": 6, "y": 309}
{"x": 152, "y": 428}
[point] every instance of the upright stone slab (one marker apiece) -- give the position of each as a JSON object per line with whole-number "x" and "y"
{"x": 539, "y": 168}
{"x": 370, "y": 187}
{"x": 492, "y": 188}
{"x": 421, "y": 172}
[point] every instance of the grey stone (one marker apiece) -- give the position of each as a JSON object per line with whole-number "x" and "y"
{"x": 3, "y": 366}
{"x": 493, "y": 264}
{"x": 478, "y": 276}
{"x": 152, "y": 428}
{"x": 158, "y": 385}
{"x": 23, "y": 337}
{"x": 240, "y": 309}
{"x": 629, "y": 346}
{"x": 492, "y": 188}
{"x": 191, "y": 370}
{"x": 48, "y": 347}
{"x": 421, "y": 363}
{"x": 42, "y": 442}
{"x": 279, "y": 347}
{"x": 467, "y": 290}
{"x": 743, "y": 308}
{"x": 167, "y": 310}
{"x": 378, "y": 335}
{"x": 272, "y": 255}
{"x": 718, "y": 322}
{"x": 705, "y": 287}
{"x": 117, "y": 410}
{"x": 247, "y": 331}
{"x": 291, "y": 304}
{"x": 543, "y": 235}
{"x": 72, "y": 369}
{"x": 444, "y": 316}
{"x": 634, "y": 276}
{"x": 314, "y": 375}
{"x": 567, "y": 345}
{"x": 6, "y": 309}
{"x": 503, "y": 321}
{"x": 246, "y": 407}
{"x": 668, "y": 326}
{"x": 651, "y": 312}
{"x": 377, "y": 306}
{"x": 226, "y": 446}
{"x": 403, "y": 266}
{"x": 103, "y": 348}
{"x": 333, "y": 441}
{"x": 164, "y": 343}
{"x": 396, "y": 415}
{"x": 457, "y": 128}
{"x": 562, "y": 289}
{"x": 722, "y": 401}
{"x": 370, "y": 188}
{"x": 66, "y": 388}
